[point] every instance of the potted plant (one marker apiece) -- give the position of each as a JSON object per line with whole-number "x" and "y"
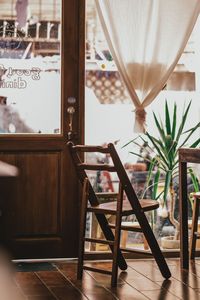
{"x": 163, "y": 150}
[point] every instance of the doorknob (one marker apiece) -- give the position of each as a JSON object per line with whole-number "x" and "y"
{"x": 71, "y": 110}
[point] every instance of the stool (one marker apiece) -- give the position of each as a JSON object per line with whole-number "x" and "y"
{"x": 194, "y": 233}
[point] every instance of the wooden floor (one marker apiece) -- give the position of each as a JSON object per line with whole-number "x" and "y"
{"x": 141, "y": 281}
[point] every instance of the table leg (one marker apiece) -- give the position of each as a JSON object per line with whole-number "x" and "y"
{"x": 183, "y": 206}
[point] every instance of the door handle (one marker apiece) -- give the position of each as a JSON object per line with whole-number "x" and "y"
{"x": 71, "y": 134}
{"x": 71, "y": 111}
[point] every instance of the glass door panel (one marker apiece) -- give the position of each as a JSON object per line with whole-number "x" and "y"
{"x": 30, "y": 67}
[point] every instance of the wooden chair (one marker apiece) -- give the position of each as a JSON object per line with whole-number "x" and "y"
{"x": 194, "y": 231}
{"x": 119, "y": 208}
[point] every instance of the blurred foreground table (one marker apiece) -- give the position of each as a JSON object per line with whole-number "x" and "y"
{"x": 7, "y": 170}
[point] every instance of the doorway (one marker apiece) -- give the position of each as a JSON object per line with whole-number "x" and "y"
{"x": 41, "y": 72}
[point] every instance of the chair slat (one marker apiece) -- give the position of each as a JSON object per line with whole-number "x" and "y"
{"x": 86, "y": 148}
{"x": 107, "y": 195}
{"x": 99, "y": 241}
{"x": 136, "y": 251}
{"x": 127, "y": 228}
{"x": 101, "y": 167}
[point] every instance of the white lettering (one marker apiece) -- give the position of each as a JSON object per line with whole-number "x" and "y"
{"x": 21, "y": 83}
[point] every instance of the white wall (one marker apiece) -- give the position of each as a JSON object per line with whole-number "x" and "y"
{"x": 109, "y": 122}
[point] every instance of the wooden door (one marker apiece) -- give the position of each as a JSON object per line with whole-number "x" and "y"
{"x": 39, "y": 209}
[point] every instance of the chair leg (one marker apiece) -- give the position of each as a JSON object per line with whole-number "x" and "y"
{"x": 82, "y": 228}
{"x": 194, "y": 228}
{"x": 153, "y": 244}
{"x": 103, "y": 222}
{"x": 116, "y": 250}
{"x": 117, "y": 238}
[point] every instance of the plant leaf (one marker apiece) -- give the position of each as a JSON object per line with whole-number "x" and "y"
{"x": 167, "y": 119}
{"x": 174, "y": 122}
{"x": 152, "y": 165}
{"x": 195, "y": 144}
{"x": 129, "y": 142}
{"x": 195, "y": 181}
{"x": 159, "y": 195}
{"x": 183, "y": 122}
{"x": 189, "y": 135}
{"x": 167, "y": 183}
{"x": 140, "y": 156}
{"x": 190, "y": 129}
{"x": 159, "y": 127}
{"x": 153, "y": 140}
{"x": 155, "y": 186}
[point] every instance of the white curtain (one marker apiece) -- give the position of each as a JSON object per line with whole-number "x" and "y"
{"x": 146, "y": 39}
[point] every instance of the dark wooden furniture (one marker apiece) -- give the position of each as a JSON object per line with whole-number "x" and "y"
{"x": 194, "y": 232}
{"x": 186, "y": 155}
{"x": 119, "y": 208}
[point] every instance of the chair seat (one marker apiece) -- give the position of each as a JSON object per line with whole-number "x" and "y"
{"x": 110, "y": 207}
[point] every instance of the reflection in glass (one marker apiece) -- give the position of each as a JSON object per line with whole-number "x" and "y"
{"x": 30, "y": 63}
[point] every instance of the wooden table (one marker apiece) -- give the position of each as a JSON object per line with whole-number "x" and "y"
{"x": 186, "y": 155}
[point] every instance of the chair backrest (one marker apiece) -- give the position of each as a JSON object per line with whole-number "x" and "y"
{"x": 81, "y": 167}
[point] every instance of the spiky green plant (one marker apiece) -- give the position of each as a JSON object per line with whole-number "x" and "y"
{"x": 164, "y": 152}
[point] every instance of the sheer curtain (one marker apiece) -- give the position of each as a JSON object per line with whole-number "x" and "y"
{"x": 146, "y": 39}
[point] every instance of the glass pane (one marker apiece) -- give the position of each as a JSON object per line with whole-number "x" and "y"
{"x": 30, "y": 64}
{"x": 109, "y": 118}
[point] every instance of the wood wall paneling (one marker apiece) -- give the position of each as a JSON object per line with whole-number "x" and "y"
{"x": 31, "y": 202}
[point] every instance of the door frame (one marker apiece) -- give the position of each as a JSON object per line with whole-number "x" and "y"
{"x": 73, "y": 58}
